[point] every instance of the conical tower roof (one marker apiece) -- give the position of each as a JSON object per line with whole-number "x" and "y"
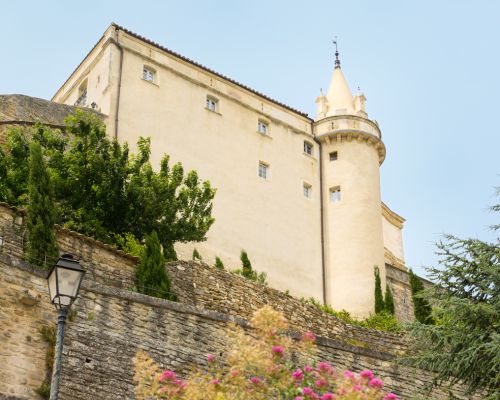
{"x": 339, "y": 96}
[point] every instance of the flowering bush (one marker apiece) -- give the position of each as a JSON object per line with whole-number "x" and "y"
{"x": 260, "y": 368}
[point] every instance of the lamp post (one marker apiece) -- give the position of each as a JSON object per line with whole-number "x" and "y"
{"x": 64, "y": 281}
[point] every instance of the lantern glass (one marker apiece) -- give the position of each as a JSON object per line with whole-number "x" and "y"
{"x": 64, "y": 281}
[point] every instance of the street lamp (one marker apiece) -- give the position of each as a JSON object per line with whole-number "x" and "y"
{"x": 64, "y": 281}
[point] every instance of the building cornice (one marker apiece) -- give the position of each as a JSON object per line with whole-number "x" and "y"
{"x": 394, "y": 261}
{"x": 392, "y": 217}
{"x": 373, "y": 124}
{"x": 349, "y": 135}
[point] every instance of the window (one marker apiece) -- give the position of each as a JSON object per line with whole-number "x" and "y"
{"x": 263, "y": 128}
{"x": 308, "y": 148}
{"x": 148, "y": 74}
{"x": 212, "y": 103}
{"x": 335, "y": 194}
{"x": 334, "y": 156}
{"x": 82, "y": 95}
{"x": 307, "y": 190}
{"x": 263, "y": 170}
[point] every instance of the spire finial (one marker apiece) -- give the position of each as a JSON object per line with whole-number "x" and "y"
{"x": 337, "y": 61}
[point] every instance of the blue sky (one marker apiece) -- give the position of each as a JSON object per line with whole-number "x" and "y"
{"x": 429, "y": 70}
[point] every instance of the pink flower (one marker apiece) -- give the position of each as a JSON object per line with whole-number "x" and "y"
{"x": 308, "y": 337}
{"x": 278, "y": 350}
{"x": 391, "y": 396}
{"x": 324, "y": 366}
{"x": 307, "y": 391}
{"x": 366, "y": 373}
{"x": 349, "y": 374}
{"x": 298, "y": 398}
{"x": 234, "y": 373}
{"x": 376, "y": 383}
{"x": 308, "y": 368}
{"x": 297, "y": 375}
{"x": 255, "y": 380}
{"x": 320, "y": 383}
{"x": 214, "y": 382}
{"x": 328, "y": 396}
{"x": 167, "y": 375}
{"x": 357, "y": 388}
{"x": 210, "y": 358}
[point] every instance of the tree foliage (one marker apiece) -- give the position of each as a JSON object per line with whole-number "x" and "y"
{"x": 42, "y": 247}
{"x": 218, "y": 263}
{"x": 464, "y": 344}
{"x": 389, "y": 301}
{"x": 103, "y": 191}
{"x": 379, "y": 298}
{"x": 421, "y": 307}
{"x": 246, "y": 265}
{"x": 196, "y": 255}
{"x": 152, "y": 278}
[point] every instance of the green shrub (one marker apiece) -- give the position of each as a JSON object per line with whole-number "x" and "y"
{"x": 196, "y": 255}
{"x": 43, "y": 390}
{"x": 379, "y": 298}
{"x": 421, "y": 307}
{"x": 152, "y": 278}
{"x": 42, "y": 247}
{"x": 389, "y": 301}
{"x": 381, "y": 321}
{"x": 218, "y": 263}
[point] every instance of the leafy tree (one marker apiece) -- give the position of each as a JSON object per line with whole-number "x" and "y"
{"x": 4, "y": 194}
{"x": 464, "y": 344}
{"x": 130, "y": 244}
{"x": 379, "y": 298}
{"x": 42, "y": 248}
{"x": 389, "y": 300}
{"x": 152, "y": 277}
{"x": 218, "y": 263}
{"x": 421, "y": 307}
{"x": 196, "y": 255}
{"x": 103, "y": 191}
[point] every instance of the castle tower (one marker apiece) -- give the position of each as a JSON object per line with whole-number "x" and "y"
{"x": 352, "y": 152}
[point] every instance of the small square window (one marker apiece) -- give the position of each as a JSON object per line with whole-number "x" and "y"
{"x": 263, "y": 128}
{"x": 334, "y": 156}
{"x": 307, "y": 190}
{"x": 212, "y": 104}
{"x": 263, "y": 170}
{"x": 148, "y": 74}
{"x": 335, "y": 194}
{"x": 308, "y": 148}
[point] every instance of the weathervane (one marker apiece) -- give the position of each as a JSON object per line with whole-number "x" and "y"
{"x": 337, "y": 61}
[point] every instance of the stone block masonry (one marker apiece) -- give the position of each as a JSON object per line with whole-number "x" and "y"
{"x": 110, "y": 323}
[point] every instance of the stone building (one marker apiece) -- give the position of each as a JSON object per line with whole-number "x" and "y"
{"x": 300, "y": 195}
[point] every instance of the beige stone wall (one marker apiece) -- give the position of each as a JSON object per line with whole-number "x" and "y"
{"x": 271, "y": 219}
{"x": 353, "y": 226}
{"x": 109, "y": 325}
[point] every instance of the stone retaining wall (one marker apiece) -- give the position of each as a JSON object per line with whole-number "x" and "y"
{"x": 110, "y": 324}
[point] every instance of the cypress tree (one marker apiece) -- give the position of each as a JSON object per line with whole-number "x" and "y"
{"x": 218, "y": 263}
{"x": 42, "y": 247}
{"x": 152, "y": 277}
{"x": 379, "y": 298}
{"x": 196, "y": 255}
{"x": 246, "y": 269}
{"x": 389, "y": 300}
{"x": 421, "y": 307}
